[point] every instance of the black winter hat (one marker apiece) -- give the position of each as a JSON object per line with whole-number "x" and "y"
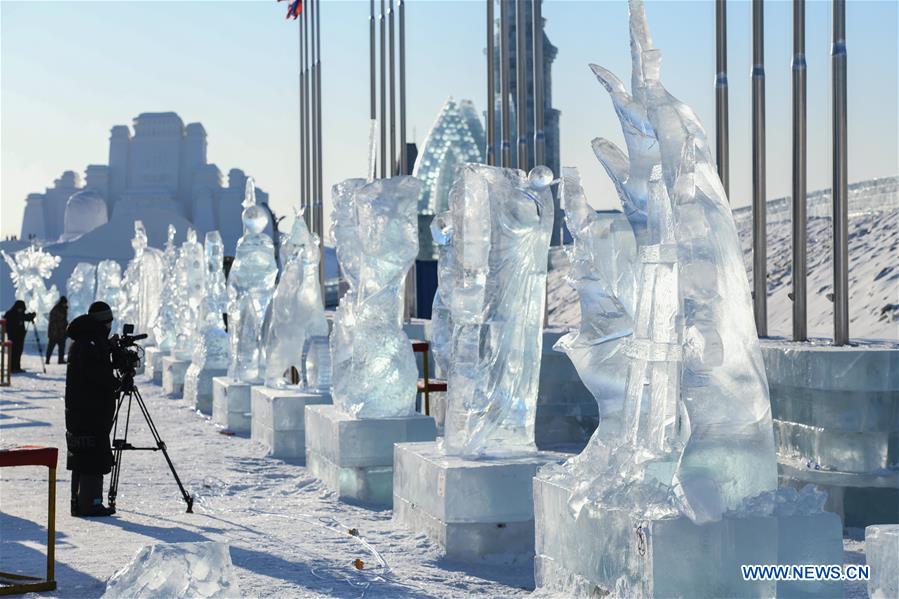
{"x": 100, "y": 311}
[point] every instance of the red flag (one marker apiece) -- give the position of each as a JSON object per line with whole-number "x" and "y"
{"x": 294, "y": 9}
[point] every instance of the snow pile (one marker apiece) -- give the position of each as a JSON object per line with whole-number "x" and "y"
{"x": 172, "y": 570}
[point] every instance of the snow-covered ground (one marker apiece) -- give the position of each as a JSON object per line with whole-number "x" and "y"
{"x": 288, "y": 534}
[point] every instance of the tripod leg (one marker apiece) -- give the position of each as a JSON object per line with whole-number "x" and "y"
{"x": 118, "y": 444}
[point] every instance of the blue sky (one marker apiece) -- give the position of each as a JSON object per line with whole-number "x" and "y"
{"x": 71, "y": 70}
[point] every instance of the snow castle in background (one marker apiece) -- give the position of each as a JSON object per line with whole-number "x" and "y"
{"x": 350, "y": 444}
{"x": 686, "y": 489}
{"x": 29, "y": 268}
{"x": 472, "y": 492}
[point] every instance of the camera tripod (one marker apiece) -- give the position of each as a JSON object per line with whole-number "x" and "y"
{"x": 130, "y": 392}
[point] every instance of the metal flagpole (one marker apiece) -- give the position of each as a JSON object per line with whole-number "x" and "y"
{"x": 313, "y": 142}
{"x": 840, "y": 178}
{"x": 373, "y": 112}
{"x": 539, "y": 134}
{"x": 307, "y": 123}
{"x": 302, "y": 117}
{"x": 506, "y": 148}
{"x": 521, "y": 84}
{"x": 491, "y": 89}
{"x": 404, "y": 157}
{"x": 759, "y": 241}
{"x": 800, "y": 324}
{"x": 319, "y": 196}
{"x": 383, "y": 92}
{"x": 392, "y": 69}
{"x": 722, "y": 120}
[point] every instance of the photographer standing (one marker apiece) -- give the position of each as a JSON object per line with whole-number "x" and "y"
{"x": 91, "y": 392}
{"x": 56, "y": 329}
{"x": 16, "y": 317}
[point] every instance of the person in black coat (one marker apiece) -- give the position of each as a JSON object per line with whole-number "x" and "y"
{"x": 91, "y": 393}
{"x": 56, "y": 329}
{"x": 16, "y": 317}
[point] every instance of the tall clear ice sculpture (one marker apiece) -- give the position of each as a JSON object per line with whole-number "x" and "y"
{"x": 190, "y": 288}
{"x": 696, "y": 436}
{"x": 29, "y": 269}
{"x": 211, "y": 349}
{"x": 142, "y": 283}
{"x": 297, "y": 313}
{"x": 109, "y": 286}
{"x": 251, "y": 283}
{"x": 603, "y": 263}
{"x": 165, "y": 328}
{"x": 491, "y": 306}
{"x": 376, "y": 229}
{"x": 81, "y": 288}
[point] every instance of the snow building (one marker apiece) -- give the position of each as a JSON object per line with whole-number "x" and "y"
{"x": 158, "y": 164}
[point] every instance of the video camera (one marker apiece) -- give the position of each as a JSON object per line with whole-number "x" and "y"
{"x": 126, "y": 353}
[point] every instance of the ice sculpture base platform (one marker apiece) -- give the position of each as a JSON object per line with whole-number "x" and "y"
{"x": 882, "y": 556}
{"x": 605, "y": 550}
{"x": 198, "y": 388}
{"x": 474, "y": 509}
{"x": 231, "y": 404}
{"x": 354, "y": 458}
{"x": 153, "y": 364}
{"x": 279, "y": 419}
{"x": 173, "y": 371}
{"x": 835, "y": 423}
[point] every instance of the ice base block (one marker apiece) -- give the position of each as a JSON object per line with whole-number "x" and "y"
{"x": 279, "y": 419}
{"x": 153, "y": 364}
{"x": 354, "y": 457}
{"x": 882, "y": 555}
{"x": 474, "y": 509}
{"x": 231, "y": 404}
{"x": 198, "y": 388}
{"x": 606, "y": 551}
{"x": 173, "y": 371}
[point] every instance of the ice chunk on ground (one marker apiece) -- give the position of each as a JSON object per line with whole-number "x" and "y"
{"x": 176, "y": 570}
{"x": 882, "y": 553}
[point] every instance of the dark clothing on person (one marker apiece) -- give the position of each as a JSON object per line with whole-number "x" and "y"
{"x": 56, "y": 329}
{"x": 91, "y": 391}
{"x": 16, "y": 317}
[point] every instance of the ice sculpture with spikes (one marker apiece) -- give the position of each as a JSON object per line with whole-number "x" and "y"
{"x": 376, "y": 229}
{"x": 603, "y": 259}
{"x": 696, "y": 436}
{"x": 165, "y": 328}
{"x": 29, "y": 269}
{"x": 297, "y": 313}
{"x": 251, "y": 283}
{"x": 109, "y": 286}
{"x": 190, "y": 288}
{"x": 491, "y": 306}
{"x": 81, "y": 288}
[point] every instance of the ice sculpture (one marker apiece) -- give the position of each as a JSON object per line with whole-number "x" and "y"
{"x": 376, "y": 230}
{"x": 109, "y": 286}
{"x": 603, "y": 259}
{"x": 165, "y": 327}
{"x": 81, "y": 288}
{"x": 297, "y": 312}
{"x": 28, "y": 269}
{"x": 490, "y": 306}
{"x": 696, "y": 436}
{"x": 190, "y": 289}
{"x": 250, "y": 286}
{"x": 142, "y": 285}
{"x": 211, "y": 347}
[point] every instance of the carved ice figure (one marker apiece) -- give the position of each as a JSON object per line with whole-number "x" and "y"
{"x": 375, "y": 226}
{"x": 81, "y": 288}
{"x": 28, "y": 269}
{"x": 166, "y": 324}
{"x": 490, "y": 306}
{"x": 190, "y": 289}
{"x": 211, "y": 345}
{"x": 697, "y": 436}
{"x": 250, "y": 286}
{"x": 142, "y": 283}
{"x": 297, "y": 312}
{"x": 109, "y": 286}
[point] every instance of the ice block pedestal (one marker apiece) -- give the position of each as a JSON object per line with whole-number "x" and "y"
{"x": 231, "y": 404}
{"x": 673, "y": 557}
{"x": 354, "y": 457}
{"x": 173, "y": 371}
{"x": 153, "y": 364}
{"x": 198, "y": 388}
{"x": 279, "y": 419}
{"x": 882, "y": 554}
{"x": 474, "y": 509}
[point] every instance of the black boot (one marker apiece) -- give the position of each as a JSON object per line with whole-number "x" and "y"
{"x": 90, "y": 497}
